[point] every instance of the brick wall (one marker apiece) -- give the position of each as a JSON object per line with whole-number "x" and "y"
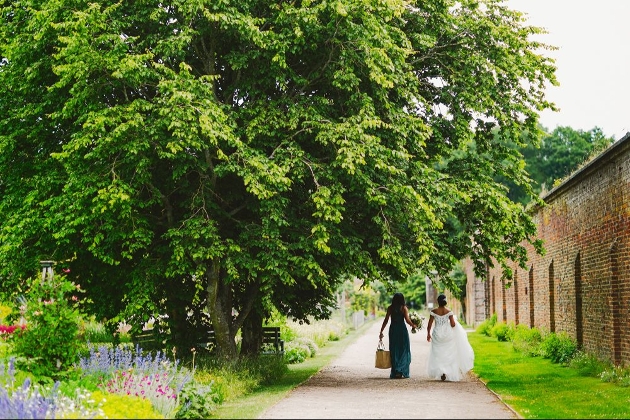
{"x": 582, "y": 284}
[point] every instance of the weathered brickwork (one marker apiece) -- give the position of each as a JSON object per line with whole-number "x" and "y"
{"x": 581, "y": 285}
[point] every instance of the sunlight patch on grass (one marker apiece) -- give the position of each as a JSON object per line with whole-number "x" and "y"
{"x": 537, "y": 388}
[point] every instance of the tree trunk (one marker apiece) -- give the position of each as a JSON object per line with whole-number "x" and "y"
{"x": 252, "y": 333}
{"x": 220, "y": 310}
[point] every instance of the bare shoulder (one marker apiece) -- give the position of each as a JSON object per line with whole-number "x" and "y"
{"x": 440, "y": 311}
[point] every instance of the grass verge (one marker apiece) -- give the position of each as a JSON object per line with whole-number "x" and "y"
{"x": 251, "y": 406}
{"x": 536, "y": 388}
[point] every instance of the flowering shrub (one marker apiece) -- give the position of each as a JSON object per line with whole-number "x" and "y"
{"x": 616, "y": 374}
{"x": 154, "y": 387}
{"x": 125, "y": 407}
{"x": 131, "y": 372}
{"x": 106, "y": 360}
{"x": 50, "y": 342}
{"x": 30, "y": 401}
{"x": 26, "y": 402}
{"x": 6, "y": 330}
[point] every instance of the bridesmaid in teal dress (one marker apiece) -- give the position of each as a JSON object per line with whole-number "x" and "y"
{"x": 399, "y": 347}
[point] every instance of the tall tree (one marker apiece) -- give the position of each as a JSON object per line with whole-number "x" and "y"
{"x": 555, "y": 157}
{"x": 562, "y": 152}
{"x": 226, "y": 157}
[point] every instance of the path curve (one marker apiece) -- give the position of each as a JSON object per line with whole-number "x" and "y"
{"x": 350, "y": 387}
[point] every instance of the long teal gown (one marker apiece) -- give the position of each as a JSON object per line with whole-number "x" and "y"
{"x": 399, "y": 346}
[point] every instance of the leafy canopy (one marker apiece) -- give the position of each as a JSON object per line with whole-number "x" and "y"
{"x": 212, "y": 155}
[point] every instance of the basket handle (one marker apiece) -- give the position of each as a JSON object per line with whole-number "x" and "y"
{"x": 381, "y": 345}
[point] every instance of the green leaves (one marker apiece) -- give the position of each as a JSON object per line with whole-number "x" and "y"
{"x": 260, "y": 151}
{"x": 53, "y": 312}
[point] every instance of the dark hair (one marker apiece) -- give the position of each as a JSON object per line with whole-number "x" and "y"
{"x": 398, "y": 301}
{"x": 442, "y": 300}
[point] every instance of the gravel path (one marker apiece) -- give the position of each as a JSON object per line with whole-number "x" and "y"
{"x": 350, "y": 387}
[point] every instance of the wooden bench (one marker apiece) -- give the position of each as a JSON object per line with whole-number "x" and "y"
{"x": 271, "y": 341}
{"x": 148, "y": 340}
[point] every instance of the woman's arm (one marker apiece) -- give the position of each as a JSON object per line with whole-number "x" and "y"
{"x": 429, "y": 325}
{"x": 384, "y": 322}
{"x": 452, "y": 319}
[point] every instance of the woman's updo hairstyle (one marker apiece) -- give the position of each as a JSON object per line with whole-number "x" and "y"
{"x": 441, "y": 300}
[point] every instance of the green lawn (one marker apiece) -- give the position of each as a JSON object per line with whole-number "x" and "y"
{"x": 536, "y": 388}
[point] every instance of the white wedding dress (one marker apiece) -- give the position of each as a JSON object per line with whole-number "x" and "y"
{"x": 450, "y": 352}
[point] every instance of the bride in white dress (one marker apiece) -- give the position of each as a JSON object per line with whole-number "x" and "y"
{"x": 450, "y": 354}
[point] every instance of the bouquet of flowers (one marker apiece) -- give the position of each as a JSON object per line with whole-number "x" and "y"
{"x": 417, "y": 319}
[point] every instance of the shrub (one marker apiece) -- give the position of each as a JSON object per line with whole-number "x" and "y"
{"x": 124, "y": 406}
{"x": 107, "y": 359}
{"x": 559, "y": 347}
{"x": 511, "y": 330}
{"x": 132, "y": 372}
{"x": 301, "y": 345}
{"x": 231, "y": 379}
{"x": 198, "y": 401}
{"x": 485, "y": 327}
{"x": 32, "y": 401}
{"x": 5, "y": 311}
{"x": 287, "y": 333}
{"x": 155, "y": 387}
{"x": 5, "y": 350}
{"x": 334, "y": 336}
{"x": 89, "y": 383}
{"x": 294, "y": 353}
{"x": 266, "y": 368}
{"x": 311, "y": 344}
{"x": 50, "y": 343}
{"x": 588, "y": 365}
{"x": 616, "y": 374}
{"x": 500, "y": 331}
{"x": 95, "y": 332}
{"x": 527, "y": 340}
{"x": 7, "y": 330}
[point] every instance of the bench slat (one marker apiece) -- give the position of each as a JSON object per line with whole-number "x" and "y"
{"x": 270, "y": 335}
